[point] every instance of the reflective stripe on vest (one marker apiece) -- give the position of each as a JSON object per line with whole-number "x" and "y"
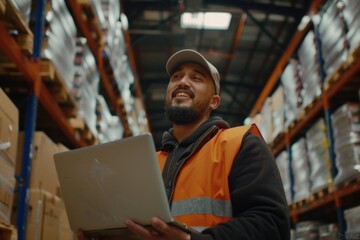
{"x": 203, "y": 205}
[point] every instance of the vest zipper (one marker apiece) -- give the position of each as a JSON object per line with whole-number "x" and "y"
{"x": 197, "y": 144}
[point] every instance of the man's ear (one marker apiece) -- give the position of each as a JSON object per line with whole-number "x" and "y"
{"x": 214, "y": 102}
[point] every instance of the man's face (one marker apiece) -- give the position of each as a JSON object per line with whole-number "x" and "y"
{"x": 190, "y": 94}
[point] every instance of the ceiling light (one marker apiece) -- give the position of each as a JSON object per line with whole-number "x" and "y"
{"x": 207, "y": 20}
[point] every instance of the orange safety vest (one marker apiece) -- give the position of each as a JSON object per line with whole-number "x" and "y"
{"x": 201, "y": 196}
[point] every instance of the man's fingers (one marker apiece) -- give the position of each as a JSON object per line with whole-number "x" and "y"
{"x": 168, "y": 230}
{"x": 81, "y": 235}
{"x": 138, "y": 229}
{"x": 159, "y": 224}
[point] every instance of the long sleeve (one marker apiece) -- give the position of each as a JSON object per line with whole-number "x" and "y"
{"x": 260, "y": 209}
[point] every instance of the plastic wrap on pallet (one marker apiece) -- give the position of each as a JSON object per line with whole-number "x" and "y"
{"x": 292, "y": 88}
{"x": 345, "y": 124}
{"x": 317, "y": 145}
{"x": 310, "y": 69}
{"x": 352, "y": 218}
{"x": 329, "y": 232}
{"x": 307, "y": 230}
{"x": 116, "y": 46}
{"x": 99, "y": 12}
{"x": 109, "y": 127}
{"x": 332, "y": 31}
{"x": 85, "y": 85}
{"x": 283, "y": 163}
{"x": 111, "y": 11}
{"x": 24, "y": 8}
{"x": 59, "y": 42}
{"x": 267, "y": 123}
{"x": 300, "y": 169}
{"x": 278, "y": 111}
{"x": 351, "y": 12}
{"x": 123, "y": 74}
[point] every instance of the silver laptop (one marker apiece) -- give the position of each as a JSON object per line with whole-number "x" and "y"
{"x": 105, "y": 184}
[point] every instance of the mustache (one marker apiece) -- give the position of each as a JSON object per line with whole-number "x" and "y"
{"x": 183, "y": 89}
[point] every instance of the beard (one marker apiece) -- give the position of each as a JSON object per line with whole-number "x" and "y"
{"x": 182, "y": 115}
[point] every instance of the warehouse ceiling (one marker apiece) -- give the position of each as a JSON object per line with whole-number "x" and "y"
{"x": 245, "y": 54}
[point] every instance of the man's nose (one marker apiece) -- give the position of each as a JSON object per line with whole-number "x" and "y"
{"x": 184, "y": 81}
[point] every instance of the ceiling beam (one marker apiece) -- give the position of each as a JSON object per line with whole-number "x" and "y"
{"x": 262, "y": 7}
{"x": 148, "y": 5}
{"x": 264, "y": 30}
{"x": 234, "y": 44}
{"x": 162, "y": 23}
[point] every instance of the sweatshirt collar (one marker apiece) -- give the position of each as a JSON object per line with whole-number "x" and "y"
{"x": 169, "y": 142}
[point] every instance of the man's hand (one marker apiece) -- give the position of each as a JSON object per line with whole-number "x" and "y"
{"x": 160, "y": 231}
{"x": 81, "y": 236}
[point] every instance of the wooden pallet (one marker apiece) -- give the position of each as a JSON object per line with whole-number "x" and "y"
{"x": 350, "y": 181}
{"x": 83, "y": 131}
{"x": 8, "y": 232}
{"x": 11, "y": 19}
{"x": 50, "y": 76}
{"x": 89, "y": 16}
{"x": 55, "y": 83}
{"x": 278, "y": 139}
{"x": 322, "y": 192}
{"x": 300, "y": 204}
{"x": 309, "y": 107}
{"x": 354, "y": 55}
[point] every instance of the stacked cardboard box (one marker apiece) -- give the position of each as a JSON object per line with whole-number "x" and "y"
{"x": 8, "y": 232}
{"x": 46, "y": 210}
{"x": 9, "y": 128}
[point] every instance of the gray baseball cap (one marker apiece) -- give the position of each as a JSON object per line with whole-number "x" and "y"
{"x": 189, "y": 55}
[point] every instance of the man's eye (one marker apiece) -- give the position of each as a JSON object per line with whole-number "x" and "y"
{"x": 176, "y": 76}
{"x": 196, "y": 77}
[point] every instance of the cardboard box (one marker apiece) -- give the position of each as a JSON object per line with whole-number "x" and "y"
{"x": 65, "y": 232}
{"x": 43, "y": 216}
{"x": 9, "y": 126}
{"x": 43, "y": 172}
{"x": 8, "y": 232}
{"x": 7, "y": 185}
{"x": 6, "y": 200}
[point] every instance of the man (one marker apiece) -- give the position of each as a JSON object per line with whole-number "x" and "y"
{"x": 221, "y": 181}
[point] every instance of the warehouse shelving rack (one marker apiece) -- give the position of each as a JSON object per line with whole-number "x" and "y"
{"x": 344, "y": 77}
{"x": 90, "y": 32}
{"x": 29, "y": 66}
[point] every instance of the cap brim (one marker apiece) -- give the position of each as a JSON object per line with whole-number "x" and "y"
{"x": 185, "y": 56}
